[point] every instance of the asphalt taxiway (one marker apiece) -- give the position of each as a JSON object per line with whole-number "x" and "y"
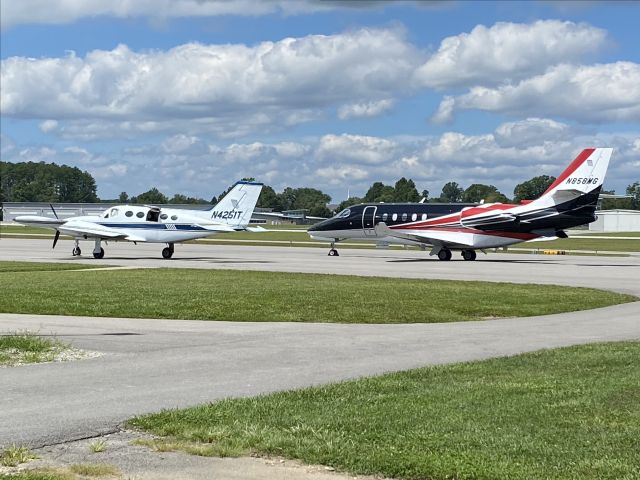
{"x": 148, "y": 365}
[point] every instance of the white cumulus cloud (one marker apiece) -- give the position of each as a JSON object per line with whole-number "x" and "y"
{"x": 368, "y": 109}
{"x": 586, "y": 93}
{"x": 507, "y": 51}
{"x": 285, "y": 82}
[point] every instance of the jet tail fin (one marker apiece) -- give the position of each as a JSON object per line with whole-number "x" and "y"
{"x": 237, "y": 206}
{"x": 584, "y": 175}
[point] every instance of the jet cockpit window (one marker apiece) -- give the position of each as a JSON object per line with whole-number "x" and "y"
{"x": 114, "y": 212}
{"x": 344, "y": 213}
{"x": 129, "y": 213}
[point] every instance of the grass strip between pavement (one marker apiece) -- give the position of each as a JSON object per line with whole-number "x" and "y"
{"x": 28, "y": 347}
{"x": 289, "y": 297}
{"x": 571, "y": 413}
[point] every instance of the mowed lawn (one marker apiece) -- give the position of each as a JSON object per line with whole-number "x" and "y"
{"x": 271, "y": 296}
{"x": 571, "y": 413}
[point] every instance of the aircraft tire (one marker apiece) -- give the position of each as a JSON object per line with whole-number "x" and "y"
{"x": 469, "y": 255}
{"x": 444, "y": 255}
{"x": 99, "y": 254}
{"x": 333, "y": 253}
{"x": 76, "y": 252}
{"x": 167, "y": 253}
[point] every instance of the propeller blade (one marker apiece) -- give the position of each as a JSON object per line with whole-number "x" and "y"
{"x": 55, "y": 239}
{"x": 54, "y": 211}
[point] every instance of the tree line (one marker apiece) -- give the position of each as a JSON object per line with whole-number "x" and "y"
{"x": 44, "y": 182}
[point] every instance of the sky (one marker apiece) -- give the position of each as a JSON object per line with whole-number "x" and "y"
{"x": 191, "y": 95}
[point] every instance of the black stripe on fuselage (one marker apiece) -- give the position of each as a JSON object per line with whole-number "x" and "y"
{"x": 569, "y": 214}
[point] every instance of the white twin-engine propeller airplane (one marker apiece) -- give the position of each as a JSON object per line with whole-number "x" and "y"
{"x": 156, "y": 225}
{"x": 570, "y": 201}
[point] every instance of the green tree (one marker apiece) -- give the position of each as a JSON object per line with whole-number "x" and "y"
{"x": 123, "y": 197}
{"x": 478, "y": 192}
{"x": 406, "y": 191}
{"x": 45, "y": 182}
{"x": 424, "y": 194}
{"x": 615, "y": 203}
{"x": 269, "y": 198}
{"x": 152, "y": 197}
{"x": 532, "y": 189}
{"x": 379, "y": 192}
{"x": 348, "y": 202}
{"x": 634, "y": 189}
{"x": 451, "y": 193}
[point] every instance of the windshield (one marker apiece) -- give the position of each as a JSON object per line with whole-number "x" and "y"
{"x": 344, "y": 213}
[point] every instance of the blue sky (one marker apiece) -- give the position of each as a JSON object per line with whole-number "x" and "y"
{"x": 189, "y": 96}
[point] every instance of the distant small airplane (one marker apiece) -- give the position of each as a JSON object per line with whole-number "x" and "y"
{"x": 152, "y": 224}
{"x": 569, "y": 202}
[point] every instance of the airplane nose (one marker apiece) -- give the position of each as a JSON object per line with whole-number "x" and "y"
{"x": 320, "y": 226}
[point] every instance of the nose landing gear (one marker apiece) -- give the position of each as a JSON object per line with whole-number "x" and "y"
{"x": 76, "y": 252}
{"x": 333, "y": 252}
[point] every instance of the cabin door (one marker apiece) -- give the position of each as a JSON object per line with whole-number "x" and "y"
{"x": 368, "y": 216}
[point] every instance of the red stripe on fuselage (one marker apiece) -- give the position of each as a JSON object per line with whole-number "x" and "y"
{"x": 586, "y": 153}
{"x": 455, "y": 217}
{"x": 492, "y": 233}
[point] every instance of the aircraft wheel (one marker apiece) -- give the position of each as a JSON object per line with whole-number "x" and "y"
{"x": 469, "y": 255}
{"x": 167, "y": 253}
{"x": 76, "y": 252}
{"x": 333, "y": 253}
{"x": 99, "y": 254}
{"x": 444, "y": 255}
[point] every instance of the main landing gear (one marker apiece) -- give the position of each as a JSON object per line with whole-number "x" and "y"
{"x": 333, "y": 252}
{"x": 469, "y": 255}
{"x": 167, "y": 252}
{"x": 98, "y": 251}
{"x": 444, "y": 255}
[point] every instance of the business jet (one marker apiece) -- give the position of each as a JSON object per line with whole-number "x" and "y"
{"x": 569, "y": 201}
{"x": 137, "y": 223}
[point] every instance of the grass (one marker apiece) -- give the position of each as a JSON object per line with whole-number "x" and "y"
{"x": 93, "y": 469}
{"x": 73, "y": 472}
{"x": 610, "y": 234}
{"x": 571, "y": 413}
{"x": 586, "y": 243}
{"x": 27, "y": 347}
{"x": 39, "y": 474}
{"x": 98, "y": 446}
{"x": 289, "y": 297}
{"x": 15, "y": 267}
{"x": 15, "y": 455}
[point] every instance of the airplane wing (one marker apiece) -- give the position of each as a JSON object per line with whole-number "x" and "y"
{"x": 432, "y": 237}
{"x": 38, "y": 221}
{"x": 77, "y": 228}
{"x": 216, "y": 227}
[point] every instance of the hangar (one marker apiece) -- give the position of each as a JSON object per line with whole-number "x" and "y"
{"x": 11, "y": 210}
{"x": 616, "y": 221}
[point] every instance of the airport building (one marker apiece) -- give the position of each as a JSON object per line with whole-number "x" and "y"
{"x": 263, "y": 216}
{"x": 616, "y": 221}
